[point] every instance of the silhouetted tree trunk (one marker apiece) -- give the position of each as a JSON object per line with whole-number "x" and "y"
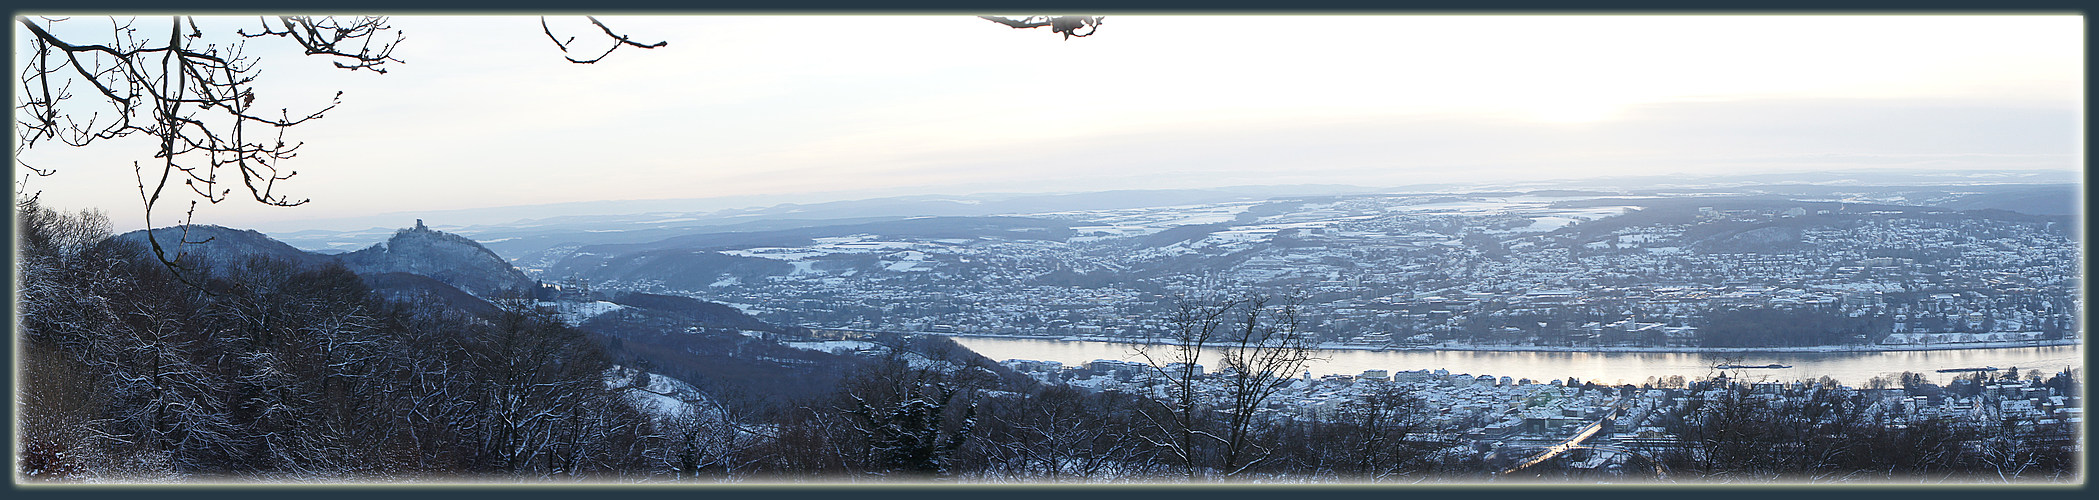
{"x": 1257, "y": 349}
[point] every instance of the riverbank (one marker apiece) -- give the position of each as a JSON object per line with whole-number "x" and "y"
{"x": 1854, "y": 368}
{"x": 1631, "y": 349}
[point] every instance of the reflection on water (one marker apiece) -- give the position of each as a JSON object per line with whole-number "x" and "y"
{"x": 1851, "y": 368}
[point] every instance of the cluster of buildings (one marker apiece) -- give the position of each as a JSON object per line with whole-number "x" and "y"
{"x": 1501, "y": 421}
{"x": 1399, "y": 271}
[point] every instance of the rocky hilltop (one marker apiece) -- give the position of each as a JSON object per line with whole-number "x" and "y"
{"x": 449, "y": 258}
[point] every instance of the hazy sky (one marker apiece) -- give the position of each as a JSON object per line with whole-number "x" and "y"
{"x": 485, "y": 112}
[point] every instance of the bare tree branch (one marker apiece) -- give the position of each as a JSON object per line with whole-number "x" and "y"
{"x": 328, "y": 37}
{"x": 1069, "y": 26}
{"x": 618, "y": 40}
{"x": 197, "y": 97}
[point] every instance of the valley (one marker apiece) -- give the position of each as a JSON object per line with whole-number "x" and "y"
{"x": 1537, "y": 269}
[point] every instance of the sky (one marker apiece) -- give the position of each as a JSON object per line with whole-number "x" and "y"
{"x": 484, "y": 112}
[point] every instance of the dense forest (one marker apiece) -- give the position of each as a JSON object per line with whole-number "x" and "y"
{"x": 265, "y": 370}
{"x": 1822, "y": 432}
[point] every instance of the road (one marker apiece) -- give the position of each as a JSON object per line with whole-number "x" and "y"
{"x": 1571, "y": 443}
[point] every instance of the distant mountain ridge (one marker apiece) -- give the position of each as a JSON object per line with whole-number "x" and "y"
{"x": 519, "y": 238}
{"x": 419, "y": 262}
{"x": 540, "y": 236}
{"x": 693, "y": 261}
{"x": 221, "y": 247}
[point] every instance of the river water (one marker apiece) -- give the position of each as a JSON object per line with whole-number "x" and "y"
{"x": 1849, "y": 368}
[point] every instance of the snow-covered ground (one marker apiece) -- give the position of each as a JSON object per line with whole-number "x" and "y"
{"x": 578, "y": 312}
{"x": 664, "y": 397}
{"x": 833, "y": 346}
{"x": 1913, "y": 339}
{"x": 826, "y": 246}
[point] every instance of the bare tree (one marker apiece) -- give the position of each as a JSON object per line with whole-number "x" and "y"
{"x": 1377, "y": 426}
{"x": 195, "y": 95}
{"x": 60, "y": 313}
{"x": 703, "y": 437}
{"x": 1259, "y": 358}
{"x": 910, "y": 421}
{"x": 1257, "y": 348}
{"x": 1176, "y": 360}
{"x": 1061, "y": 433}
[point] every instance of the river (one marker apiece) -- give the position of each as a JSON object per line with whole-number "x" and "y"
{"x": 1850, "y": 368}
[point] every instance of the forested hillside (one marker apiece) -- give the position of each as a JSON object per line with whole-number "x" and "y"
{"x": 265, "y": 369}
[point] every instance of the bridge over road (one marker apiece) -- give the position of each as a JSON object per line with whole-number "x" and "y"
{"x": 1571, "y": 443}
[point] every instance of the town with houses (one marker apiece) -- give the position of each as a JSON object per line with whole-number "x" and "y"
{"x": 1499, "y": 422}
{"x": 1513, "y": 271}
{"x": 1533, "y": 271}
{"x": 1565, "y": 272}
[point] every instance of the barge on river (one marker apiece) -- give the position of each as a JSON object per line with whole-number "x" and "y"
{"x": 1964, "y": 370}
{"x": 1725, "y": 366}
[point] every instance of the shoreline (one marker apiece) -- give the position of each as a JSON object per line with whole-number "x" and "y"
{"x": 1602, "y": 349}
